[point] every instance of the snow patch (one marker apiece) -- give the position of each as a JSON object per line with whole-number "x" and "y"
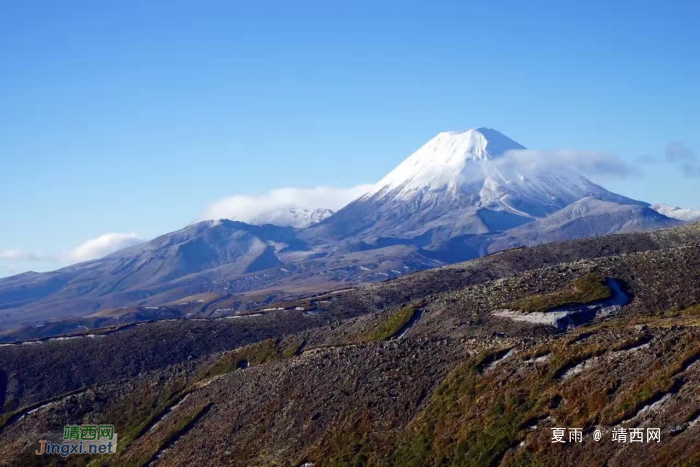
{"x": 571, "y": 372}
{"x": 567, "y": 317}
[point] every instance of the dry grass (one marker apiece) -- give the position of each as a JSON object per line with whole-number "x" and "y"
{"x": 651, "y": 386}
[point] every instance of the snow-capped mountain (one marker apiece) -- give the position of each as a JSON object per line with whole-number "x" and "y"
{"x": 460, "y": 196}
{"x": 297, "y": 218}
{"x": 466, "y": 182}
{"x": 444, "y": 162}
{"x": 685, "y": 215}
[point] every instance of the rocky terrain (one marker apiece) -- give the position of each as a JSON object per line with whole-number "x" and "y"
{"x": 423, "y": 369}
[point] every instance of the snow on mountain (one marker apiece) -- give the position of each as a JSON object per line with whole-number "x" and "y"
{"x": 587, "y": 217}
{"x": 460, "y": 196}
{"x": 298, "y": 218}
{"x": 442, "y": 161}
{"x": 470, "y": 167}
{"x": 459, "y": 183}
{"x": 686, "y": 215}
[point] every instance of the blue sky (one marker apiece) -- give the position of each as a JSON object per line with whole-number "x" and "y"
{"x": 133, "y": 117}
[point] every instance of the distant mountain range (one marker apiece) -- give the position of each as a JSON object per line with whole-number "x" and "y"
{"x": 458, "y": 197}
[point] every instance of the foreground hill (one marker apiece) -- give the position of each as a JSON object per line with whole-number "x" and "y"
{"x": 457, "y": 365}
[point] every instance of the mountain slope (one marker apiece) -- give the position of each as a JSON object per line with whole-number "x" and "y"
{"x": 460, "y": 196}
{"x": 139, "y": 271}
{"x": 422, "y": 370}
{"x": 588, "y": 217}
{"x": 460, "y": 183}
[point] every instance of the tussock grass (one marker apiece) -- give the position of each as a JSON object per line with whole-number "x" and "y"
{"x": 691, "y": 311}
{"x": 351, "y": 445}
{"x": 147, "y": 406}
{"x": 688, "y": 316}
{"x": 651, "y": 387}
{"x": 536, "y": 352}
{"x": 390, "y": 326}
{"x": 159, "y": 408}
{"x": 632, "y": 343}
{"x": 182, "y": 425}
{"x": 255, "y": 354}
{"x": 466, "y": 424}
{"x": 563, "y": 361}
{"x": 588, "y": 289}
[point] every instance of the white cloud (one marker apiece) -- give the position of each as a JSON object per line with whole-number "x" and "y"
{"x": 248, "y": 208}
{"x": 91, "y": 249}
{"x": 590, "y": 163}
{"x": 14, "y": 260}
{"x": 19, "y": 255}
{"x": 102, "y": 246}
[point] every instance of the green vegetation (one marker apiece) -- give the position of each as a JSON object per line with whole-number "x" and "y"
{"x": 255, "y": 354}
{"x": 688, "y": 316}
{"x": 587, "y": 289}
{"x": 150, "y": 403}
{"x": 484, "y": 359}
{"x": 390, "y": 326}
{"x": 147, "y": 406}
{"x": 157, "y": 409}
{"x": 690, "y": 311}
{"x": 351, "y": 446}
{"x": 536, "y": 352}
{"x": 181, "y": 426}
{"x": 528, "y": 459}
{"x": 466, "y": 424}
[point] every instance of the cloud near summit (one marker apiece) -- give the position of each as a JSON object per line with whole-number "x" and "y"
{"x": 589, "y": 163}
{"x": 248, "y": 208}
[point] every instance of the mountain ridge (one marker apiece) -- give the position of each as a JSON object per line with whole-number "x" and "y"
{"x": 454, "y": 176}
{"x": 460, "y": 196}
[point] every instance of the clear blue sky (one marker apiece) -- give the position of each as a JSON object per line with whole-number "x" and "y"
{"x": 133, "y": 116}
